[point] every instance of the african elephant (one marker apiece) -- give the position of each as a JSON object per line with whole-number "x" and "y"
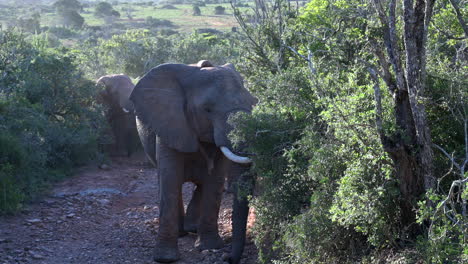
{"x": 119, "y": 112}
{"x": 187, "y": 107}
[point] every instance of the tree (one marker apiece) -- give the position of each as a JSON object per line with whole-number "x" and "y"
{"x": 196, "y": 10}
{"x": 68, "y": 11}
{"x": 410, "y": 147}
{"x": 219, "y": 10}
{"x": 104, "y": 9}
{"x": 30, "y": 24}
{"x": 367, "y": 151}
{"x": 128, "y": 12}
{"x": 67, "y": 5}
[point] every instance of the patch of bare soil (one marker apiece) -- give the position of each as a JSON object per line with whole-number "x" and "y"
{"x": 104, "y": 216}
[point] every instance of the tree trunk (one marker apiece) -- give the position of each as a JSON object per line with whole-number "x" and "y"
{"x": 409, "y": 147}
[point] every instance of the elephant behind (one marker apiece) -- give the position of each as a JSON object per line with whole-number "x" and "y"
{"x": 119, "y": 113}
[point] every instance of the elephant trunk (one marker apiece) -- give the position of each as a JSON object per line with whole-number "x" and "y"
{"x": 233, "y": 157}
{"x": 242, "y": 187}
{"x": 240, "y": 214}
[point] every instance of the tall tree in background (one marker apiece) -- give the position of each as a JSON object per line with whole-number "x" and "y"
{"x": 68, "y": 10}
{"x": 410, "y": 147}
{"x": 104, "y": 9}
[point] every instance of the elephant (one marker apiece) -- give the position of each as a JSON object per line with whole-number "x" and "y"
{"x": 182, "y": 116}
{"x": 119, "y": 112}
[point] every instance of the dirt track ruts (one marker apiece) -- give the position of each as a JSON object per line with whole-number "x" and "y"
{"x": 103, "y": 216}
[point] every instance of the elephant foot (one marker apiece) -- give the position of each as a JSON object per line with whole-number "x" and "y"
{"x": 166, "y": 254}
{"x": 212, "y": 242}
{"x": 190, "y": 227}
{"x": 183, "y": 233}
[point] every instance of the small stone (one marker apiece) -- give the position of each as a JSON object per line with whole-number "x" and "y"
{"x": 104, "y": 202}
{"x": 70, "y": 215}
{"x": 35, "y": 255}
{"x": 104, "y": 167}
{"x": 205, "y": 252}
{"x": 34, "y": 221}
{"x": 5, "y": 240}
{"x": 225, "y": 256}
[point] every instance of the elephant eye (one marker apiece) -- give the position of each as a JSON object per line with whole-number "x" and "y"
{"x": 207, "y": 109}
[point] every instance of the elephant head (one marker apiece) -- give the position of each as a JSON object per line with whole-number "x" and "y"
{"x": 119, "y": 111}
{"x": 116, "y": 93}
{"x": 189, "y": 104}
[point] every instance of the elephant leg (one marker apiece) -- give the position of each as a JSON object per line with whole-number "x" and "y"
{"x": 120, "y": 133}
{"x": 213, "y": 185}
{"x": 193, "y": 211}
{"x": 182, "y": 232}
{"x": 131, "y": 135}
{"x": 171, "y": 176}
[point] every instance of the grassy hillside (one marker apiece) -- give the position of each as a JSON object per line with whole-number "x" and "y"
{"x": 132, "y": 15}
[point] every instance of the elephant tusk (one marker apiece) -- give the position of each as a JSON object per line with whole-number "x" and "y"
{"x": 125, "y": 110}
{"x": 233, "y": 157}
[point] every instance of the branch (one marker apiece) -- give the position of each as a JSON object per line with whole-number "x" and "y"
{"x": 460, "y": 17}
{"x": 447, "y": 155}
{"x": 378, "y": 100}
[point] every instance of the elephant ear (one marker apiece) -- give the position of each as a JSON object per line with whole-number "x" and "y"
{"x": 159, "y": 102}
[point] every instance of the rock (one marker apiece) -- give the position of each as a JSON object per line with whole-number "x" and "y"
{"x": 104, "y": 167}
{"x": 205, "y": 252}
{"x": 225, "y": 256}
{"x": 70, "y": 215}
{"x": 34, "y": 221}
{"x": 5, "y": 240}
{"x": 35, "y": 255}
{"x": 104, "y": 202}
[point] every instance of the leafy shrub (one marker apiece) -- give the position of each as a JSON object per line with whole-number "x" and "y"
{"x": 168, "y": 7}
{"x": 46, "y": 111}
{"x": 194, "y": 47}
{"x": 62, "y": 32}
{"x": 155, "y": 22}
{"x": 133, "y": 53}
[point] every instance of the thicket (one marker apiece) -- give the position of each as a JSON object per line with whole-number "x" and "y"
{"x": 329, "y": 186}
{"x": 48, "y": 120}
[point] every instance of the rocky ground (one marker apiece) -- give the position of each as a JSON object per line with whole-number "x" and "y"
{"x": 100, "y": 216}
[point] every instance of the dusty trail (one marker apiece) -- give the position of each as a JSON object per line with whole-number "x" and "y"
{"x": 103, "y": 216}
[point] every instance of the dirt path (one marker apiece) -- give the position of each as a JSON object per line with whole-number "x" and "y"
{"x": 103, "y": 216}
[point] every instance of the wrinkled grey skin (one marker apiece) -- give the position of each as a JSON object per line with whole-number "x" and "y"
{"x": 119, "y": 112}
{"x": 187, "y": 106}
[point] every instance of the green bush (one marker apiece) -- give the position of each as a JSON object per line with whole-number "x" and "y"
{"x": 46, "y": 111}
{"x": 194, "y": 47}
